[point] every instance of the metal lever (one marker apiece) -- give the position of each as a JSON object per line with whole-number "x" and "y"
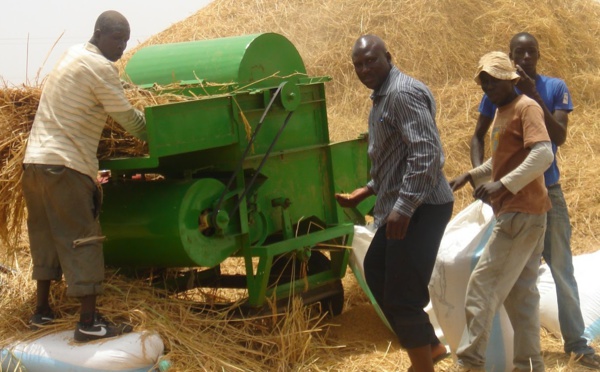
{"x": 262, "y": 162}
{"x": 246, "y": 150}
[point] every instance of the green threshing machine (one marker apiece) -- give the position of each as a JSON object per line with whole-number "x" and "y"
{"x": 246, "y": 170}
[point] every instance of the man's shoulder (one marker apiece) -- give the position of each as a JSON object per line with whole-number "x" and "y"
{"x": 554, "y": 92}
{"x": 523, "y": 100}
{"x": 550, "y": 80}
{"x": 406, "y": 84}
{"x": 81, "y": 69}
{"x": 88, "y": 54}
{"x": 81, "y": 51}
{"x": 410, "y": 81}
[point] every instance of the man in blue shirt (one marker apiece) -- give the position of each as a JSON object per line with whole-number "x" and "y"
{"x": 553, "y": 96}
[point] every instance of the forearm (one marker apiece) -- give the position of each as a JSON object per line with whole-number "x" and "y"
{"x": 557, "y": 129}
{"x": 482, "y": 173}
{"x": 132, "y": 121}
{"x": 478, "y": 140}
{"x": 476, "y": 151}
{"x": 362, "y": 193}
{"x": 535, "y": 164}
{"x": 372, "y": 186}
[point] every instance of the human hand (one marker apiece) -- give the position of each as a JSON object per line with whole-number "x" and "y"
{"x": 345, "y": 200}
{"x": 526, "y": 84}
{"x": 458, "y": 182}
{"x": 396, "y": 226}
{"x": 103, "y": 176}
{"x": 485, "y": 191}
{"x": 353, "y": 199}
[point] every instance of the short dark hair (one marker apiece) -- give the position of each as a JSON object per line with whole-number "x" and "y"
{"x": 527, "y": 35}
{"x": 110, "y": 21}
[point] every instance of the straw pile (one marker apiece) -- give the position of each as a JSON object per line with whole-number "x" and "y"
{"x": 17, "y": 109}
{"x": 438, "y": 42}
{"x": 208, "y": 341}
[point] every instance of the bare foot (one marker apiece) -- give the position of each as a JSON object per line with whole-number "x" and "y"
{"x": 437, "y": 351}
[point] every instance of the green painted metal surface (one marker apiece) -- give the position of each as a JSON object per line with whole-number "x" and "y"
{"x": 212, "y": 131}
{"x": 242, "y": 60}
{"x": 246, "y": 172}
{"x": 155, "y": 224}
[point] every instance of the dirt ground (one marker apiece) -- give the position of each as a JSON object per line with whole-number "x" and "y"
{"x": 367, "y": 338}
{"x": 356, "y": 340}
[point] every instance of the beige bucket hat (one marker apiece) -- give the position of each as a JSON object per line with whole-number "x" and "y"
{"x": 498, "y": 65}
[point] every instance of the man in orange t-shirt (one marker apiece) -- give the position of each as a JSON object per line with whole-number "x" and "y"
{"x": 507, "y": 270}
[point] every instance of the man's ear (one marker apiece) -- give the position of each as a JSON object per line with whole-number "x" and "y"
{"x": 96, "y": 34}
{"x": 388, "y": 56}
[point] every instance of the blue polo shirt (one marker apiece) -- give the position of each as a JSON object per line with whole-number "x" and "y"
{"x": 556, "y": 96}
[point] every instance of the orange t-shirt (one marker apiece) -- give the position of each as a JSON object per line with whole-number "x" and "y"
{"x": 517, "y": 127}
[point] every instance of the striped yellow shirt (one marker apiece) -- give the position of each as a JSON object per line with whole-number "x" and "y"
{"x": 82, "y": 89}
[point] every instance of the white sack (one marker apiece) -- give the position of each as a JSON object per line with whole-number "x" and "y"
{"x": 462, "y": 244}
{"x": 586, "y": 273}
{"x": 131, "y": 352}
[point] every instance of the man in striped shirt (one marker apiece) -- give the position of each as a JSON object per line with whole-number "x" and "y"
{"x": 414, "y": 201}
{"x": 60, "y": 169}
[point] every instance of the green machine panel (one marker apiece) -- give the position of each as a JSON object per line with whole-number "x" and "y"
{"x": 241, "y": 60}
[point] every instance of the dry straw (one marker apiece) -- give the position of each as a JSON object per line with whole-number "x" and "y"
{"x": 195, "y": 341}
{"x": 438, "y": 42}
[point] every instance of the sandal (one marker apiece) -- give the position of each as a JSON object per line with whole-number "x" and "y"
{"x": 589, "y": 360}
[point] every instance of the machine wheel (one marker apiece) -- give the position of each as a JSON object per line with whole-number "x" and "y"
{"x": 334, "y": 304}
{"x": 286, "y": 268}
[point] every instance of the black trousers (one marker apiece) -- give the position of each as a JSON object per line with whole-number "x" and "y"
{"x": 398, "y": 273}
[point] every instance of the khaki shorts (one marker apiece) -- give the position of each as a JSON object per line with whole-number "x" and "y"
{"x": 64, "y": 232}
